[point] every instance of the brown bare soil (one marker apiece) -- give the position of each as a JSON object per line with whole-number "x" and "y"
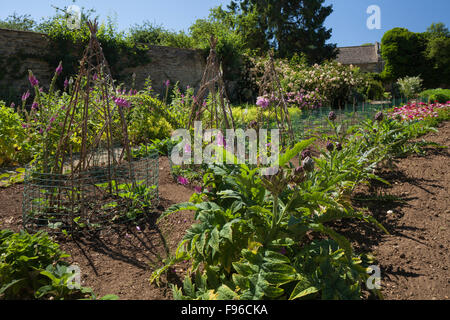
{"x": 414, "y": 258}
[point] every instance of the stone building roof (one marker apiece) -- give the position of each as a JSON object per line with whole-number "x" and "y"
{"x": 359, "y": 55}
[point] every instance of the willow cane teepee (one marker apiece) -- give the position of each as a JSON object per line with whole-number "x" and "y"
{"x": 88, "y": 177}
{"x": 218, "y": 113}
{"x": 278, "y": 110}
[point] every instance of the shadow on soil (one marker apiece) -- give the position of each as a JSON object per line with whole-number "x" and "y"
{"x": 140, "y": 243}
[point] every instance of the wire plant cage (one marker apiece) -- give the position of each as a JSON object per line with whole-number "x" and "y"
{"x": 98, "y": 181}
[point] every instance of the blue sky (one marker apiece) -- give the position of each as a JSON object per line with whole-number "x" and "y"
{"x": 348, "y": 20}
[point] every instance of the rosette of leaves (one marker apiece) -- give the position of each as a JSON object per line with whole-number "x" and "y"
{"x": 250, "y": 231}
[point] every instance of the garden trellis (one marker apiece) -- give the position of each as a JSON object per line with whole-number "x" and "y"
{"x": 212, "y": 84}
{"x": 271, "y": 87}
{"x": 97, "y": 182}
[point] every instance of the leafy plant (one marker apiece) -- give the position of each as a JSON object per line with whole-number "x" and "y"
{"x": 410, "y": 86}
{"x": 32, "y": 267}
{"x": 14, "y": 146}
{"x": 252, "y": 227}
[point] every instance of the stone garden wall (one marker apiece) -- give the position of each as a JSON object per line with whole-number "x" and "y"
{"x": 22, "y": 50}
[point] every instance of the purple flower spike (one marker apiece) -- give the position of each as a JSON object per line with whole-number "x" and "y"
{"x": 59, "y": 69}
{"x": 66, "y": 84}
{"x": 122, "y": 102}
{"x": 34, "y": 106}
{"x": 33, "y": 81}
{"x": 167, "y": 83}
{"x": 26, "y": 95}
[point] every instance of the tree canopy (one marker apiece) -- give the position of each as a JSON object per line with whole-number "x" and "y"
{"x": 288, "y": 26}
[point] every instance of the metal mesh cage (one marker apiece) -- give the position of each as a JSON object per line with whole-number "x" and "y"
{"x": 91, "y": 200}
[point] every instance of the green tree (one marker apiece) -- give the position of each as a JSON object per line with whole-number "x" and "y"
{"x": 438, "y": 52}
{"x": 289, "y": 26}
{"x": 404, "y": 54}
{"x": 438, "y": 30}
{"x": 18, "y": 22}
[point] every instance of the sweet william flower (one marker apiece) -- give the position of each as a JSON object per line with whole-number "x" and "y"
{"x": 183, "y": 181}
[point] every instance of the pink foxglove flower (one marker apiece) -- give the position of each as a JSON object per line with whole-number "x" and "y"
{"x": 33, "y": 81}
{"x": 262, "y": 102}
{"x": 198, "y": 189}
{"x": 59, "y": 69}
{"x": 26, "y": 95}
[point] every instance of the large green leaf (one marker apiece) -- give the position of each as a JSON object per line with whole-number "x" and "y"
{"x": 292, "y": 153}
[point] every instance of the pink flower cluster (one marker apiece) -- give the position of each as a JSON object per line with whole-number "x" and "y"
{"x": 417, "y": 111}
{"x": 122, "y": 102}
{"x": 305, "y": 99}
{"x": 263, "y": 102}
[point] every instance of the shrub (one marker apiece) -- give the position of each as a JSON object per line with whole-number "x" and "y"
{"x": 410, "y": 86}
{"x": 439, "y": 95}
{"x": 244, "y": 115}
{"x": 13, "y": 137}
{"x": 333, "y": 82}
{"x": 31, "y": 267}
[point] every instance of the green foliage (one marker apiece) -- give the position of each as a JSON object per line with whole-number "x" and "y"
{"x": 148, "y": 119}
{"x": 427, "y": 52}
{"x": 374, "y": 90}
{"x": 245, "y": 114}
{"x": 410, "y": 86}
{"x": 250, "y": 229}
{"x": 250, "y": 240}
{"x": 401, "y": 49}
{"x": 18, "y": 22}
{"x": 31, "y": 267}
{"x": 14, "y": 142}
{"x": 288, "y": 26}
{"x": 440, "y": 95}
{"x": 67, "y": 45}
{"x": 148, "y": 33}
